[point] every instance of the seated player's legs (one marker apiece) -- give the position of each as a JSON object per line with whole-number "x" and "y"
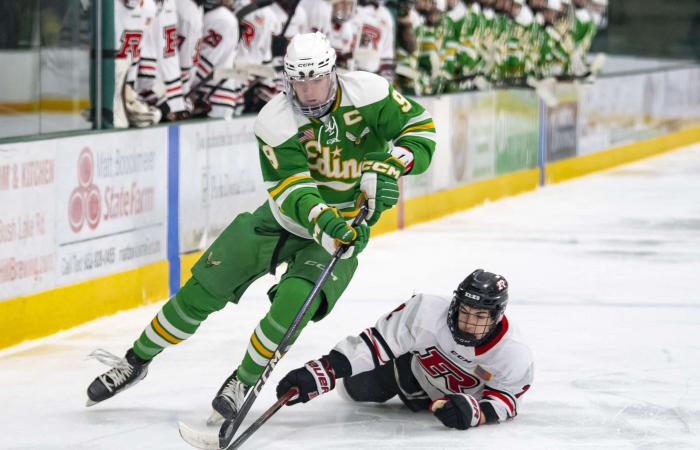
{"x": 384, "y": 382}
{"x": 378, "y": 385}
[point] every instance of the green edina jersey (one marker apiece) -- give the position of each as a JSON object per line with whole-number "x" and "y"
{"x": 306, "y": 161}
{"x": 467, "y": 35}
{"x": 584, "y": 30}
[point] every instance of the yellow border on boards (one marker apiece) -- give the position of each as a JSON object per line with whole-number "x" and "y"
{"x": 47, "y": 312}
{"x": 564, "y": 170}
{"x": 45, "y": 104}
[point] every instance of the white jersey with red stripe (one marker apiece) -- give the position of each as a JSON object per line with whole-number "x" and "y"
{"x": 190, "y": 17}
{"x": 257, "y": 28}
{"x": 318, "y": 15}
{"x": 343, "y": 37}
{"x": 374, "y": 49}
{"x": 498, "y": 372}
{"x": 129, "y": 25}
{"x": 218, "y": 48}
{"x": 160, "y": 61}
{"x": 298, "y": 23}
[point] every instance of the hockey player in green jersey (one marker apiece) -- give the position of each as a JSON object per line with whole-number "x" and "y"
{"x": 325, "y": 142}
{"x": 512, "y": 62}
{"x": 468, "y": 59}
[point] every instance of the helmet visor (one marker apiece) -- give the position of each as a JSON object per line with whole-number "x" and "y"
{"x": 314, "y": 91}
{"x": 475, "y": 322}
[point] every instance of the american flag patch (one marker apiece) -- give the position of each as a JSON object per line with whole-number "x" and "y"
{"x": 482, "y": 373}
{"x": 306, "y": 135}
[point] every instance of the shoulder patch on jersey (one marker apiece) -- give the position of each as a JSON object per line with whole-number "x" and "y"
{"x": 276, "y": 122}
{"x": 363, "y": 88}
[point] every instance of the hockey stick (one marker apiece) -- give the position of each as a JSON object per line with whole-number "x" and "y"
{"x": 229, "y": 427}
{"x": 264, "y": 418}
{"x": 211, "y": 442}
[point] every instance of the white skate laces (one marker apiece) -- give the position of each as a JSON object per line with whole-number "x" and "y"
{"x": 121, "y": 369}
{"x": 235, "y": 390}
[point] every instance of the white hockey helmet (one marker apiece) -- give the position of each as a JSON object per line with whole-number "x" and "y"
{"x": 555, "y": 5}
{"x": 310, "y": 81}
{"x": 343, "y": 10}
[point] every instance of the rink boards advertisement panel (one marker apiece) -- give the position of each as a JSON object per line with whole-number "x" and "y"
{"x": 27, "y": 223}
{"x": 111, "y": 201}
{"x": 80, "y": 208}
{"x": 219, "y": 179}
{"x": 618, "y": 111}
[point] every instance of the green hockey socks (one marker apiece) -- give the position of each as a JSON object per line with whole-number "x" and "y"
{"x": 289, "y": 298}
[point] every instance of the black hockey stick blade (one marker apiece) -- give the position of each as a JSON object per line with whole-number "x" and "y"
{"x": 264, "y": 418}
{"x": 229, "y": 427}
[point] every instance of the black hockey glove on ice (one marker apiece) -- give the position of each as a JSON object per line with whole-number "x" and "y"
{"x": 315, "y": 378}
{"x": 460, "y": 411}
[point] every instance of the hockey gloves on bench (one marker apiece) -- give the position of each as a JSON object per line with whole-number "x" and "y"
{"x": 315, "y": 378}
{"x": 330, "y": 231}
{"x": 460, "y": 411}
{"x": 379, "y": 182}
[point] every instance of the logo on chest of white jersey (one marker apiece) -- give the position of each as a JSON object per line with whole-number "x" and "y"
{"x": 437, "y": 365}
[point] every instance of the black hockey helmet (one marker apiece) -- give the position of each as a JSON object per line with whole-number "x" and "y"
{"x": 480, "y": 290}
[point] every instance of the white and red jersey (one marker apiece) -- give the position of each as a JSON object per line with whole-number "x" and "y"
{"x": 298, "y": 24}
{"x": 343, "y": 37}
{"x": 160, "y": 61}
{"x": 129, "y": 24}
{"x": 498, "y": 372}
{"x": 218, "y": 48}
{"x": 129, "y": 27}
{"x": 257, "y": 29}
{"x": 318, "y": 15}
{"x": 190, "y": 17}
{"x": 374, "y": 49}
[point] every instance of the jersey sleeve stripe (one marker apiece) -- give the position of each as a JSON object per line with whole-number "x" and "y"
{"x": 427, "y": 126}
{"x": 371, "y": 349}
{"x": 281, "y": 199}
{"x": 378, "y": 336}
{"x": 422, "y": 117}
{"x": 287, "y": 182}
{"x": 505, "y": 399}
{"x": 430, "y": 136}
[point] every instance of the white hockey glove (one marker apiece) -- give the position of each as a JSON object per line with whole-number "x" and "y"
{"x": 138, "y": 112}
{"x": 460, "y": 411}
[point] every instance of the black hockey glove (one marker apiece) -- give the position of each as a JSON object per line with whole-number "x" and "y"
{"x": 460, "y": 411}
{"x": 315, "y": 378}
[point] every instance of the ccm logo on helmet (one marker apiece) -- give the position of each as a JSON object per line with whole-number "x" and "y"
{"x": 305, "y": 64}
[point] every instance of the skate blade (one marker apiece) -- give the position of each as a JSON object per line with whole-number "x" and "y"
{"x": 215, "y": 419}
{"x": 197, "y": 438}
{"x": 89, "y": 403}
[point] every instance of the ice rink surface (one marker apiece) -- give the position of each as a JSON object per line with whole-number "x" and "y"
{"x": 603, "y": 274}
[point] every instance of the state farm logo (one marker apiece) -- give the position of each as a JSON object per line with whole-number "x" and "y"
{"x": 84, "y": 203}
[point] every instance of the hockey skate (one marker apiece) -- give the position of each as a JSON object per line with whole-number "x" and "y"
{"x": 125, "y": 373}
{"x": 228, "y": 400}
